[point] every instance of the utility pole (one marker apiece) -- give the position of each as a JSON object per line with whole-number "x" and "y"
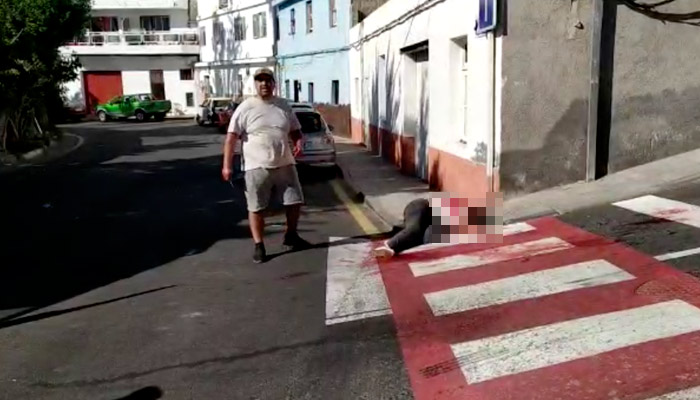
{"x": 593, "y": 97}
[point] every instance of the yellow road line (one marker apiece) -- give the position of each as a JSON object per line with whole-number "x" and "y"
{"x": 365, "y": 224}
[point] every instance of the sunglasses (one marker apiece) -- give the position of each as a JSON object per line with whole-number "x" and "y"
{"x": 264, "y": 79}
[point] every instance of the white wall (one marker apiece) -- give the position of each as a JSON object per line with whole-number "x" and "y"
{"x": 136, "y": 63}
{"x": 440, "y": 26}
{"x": 118, "y": 4}
{"x": 229, "y": 49}
{"x": 136, "y": 82}
{"x": 175, "y": 91}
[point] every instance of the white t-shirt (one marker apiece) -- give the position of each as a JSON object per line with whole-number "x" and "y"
{"x": 264, "y": 126}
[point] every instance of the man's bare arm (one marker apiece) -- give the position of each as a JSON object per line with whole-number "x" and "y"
{"x": 229, "y": 149}
{"x": 295, "y": 135}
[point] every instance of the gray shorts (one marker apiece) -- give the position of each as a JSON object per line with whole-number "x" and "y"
{"x": 262, "y": 184}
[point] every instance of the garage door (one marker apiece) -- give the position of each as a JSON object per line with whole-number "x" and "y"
{"x": 101, "y": 86}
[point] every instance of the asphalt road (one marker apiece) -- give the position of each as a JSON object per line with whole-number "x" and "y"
{"x": 126, "y": 265}
{"x": 655, "y": 235}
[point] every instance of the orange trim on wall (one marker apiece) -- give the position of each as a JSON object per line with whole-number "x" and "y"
{"x": 446, "y": 172}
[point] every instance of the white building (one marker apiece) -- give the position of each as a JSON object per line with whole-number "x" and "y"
{"x": 421, "y": 92}
{"x": 137, "y": 46}
{"x": 237, "y": 37}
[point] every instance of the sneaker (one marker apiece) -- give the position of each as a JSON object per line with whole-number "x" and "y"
{"x": 259, "y": 253}
{"x": 383, "y": 251}
{"x": 292, "y": 241}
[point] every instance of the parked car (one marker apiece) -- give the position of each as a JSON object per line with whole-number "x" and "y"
{"x": 73, "y": 113}
{"x": 224, "y": 116}
{"x": 318, "y": 145}
{"x": 209, "y": 110}
{"x": 141, "y": 106}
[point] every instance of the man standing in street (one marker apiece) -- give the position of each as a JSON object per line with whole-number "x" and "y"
{"x": 265, "y": 124}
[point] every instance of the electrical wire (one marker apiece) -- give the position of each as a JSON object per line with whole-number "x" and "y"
{"x": 650, "y": 10}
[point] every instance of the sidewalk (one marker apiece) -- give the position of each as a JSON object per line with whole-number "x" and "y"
{"x": 387, "y": 191}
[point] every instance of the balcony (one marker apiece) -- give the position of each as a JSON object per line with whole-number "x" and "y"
{"x": 174, "y": 42}
{"x": 139, "y": 4}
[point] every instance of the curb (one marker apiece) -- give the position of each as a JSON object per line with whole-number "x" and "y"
{"x": 44, "y": 151}
{"x": 359, "y": 197}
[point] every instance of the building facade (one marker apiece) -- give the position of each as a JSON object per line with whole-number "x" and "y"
{"x": 137, "y": 46}
{"x": 421, "y": 92}
{"x": 312, "y": 50}
{"x": 566, "y": 92}
{"x": 237, "y": 37}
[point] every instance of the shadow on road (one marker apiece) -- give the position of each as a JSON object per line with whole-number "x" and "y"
{"x": 147, "y": 393}
{"x": 116, "y": 207}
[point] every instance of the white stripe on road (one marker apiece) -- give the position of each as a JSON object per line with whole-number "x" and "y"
{"x": 490, "y": 256}
{"x": 685, "y": 394}
{"x": 508, "y": 230}
{"x": 658, "y": 207}
{"x": 526, "y": 286}
{"x": 678, "y": 254}
{"x": 354, "y": 286}
{"x": 485, "y": 359}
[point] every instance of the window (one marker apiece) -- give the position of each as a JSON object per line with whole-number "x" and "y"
{"x": 218, "y": 33}
{"x": 309, "y": 17}
{"x": 155, "y": 23}
{"x": 277, "y": 27}
{"x": 310, "y": 122}
{"x": 311, "y": 92}
{"x": 464, "y": 76}
{"x": 287, "y": 93}
{"x": 239, "y": 85}
{"x": 186, "y": 74}
{"x": 203, "y": 36}
{"x": 297, "y": 89}
{"x": 104, "y": 24}
{"x": 335, "y": 92}
{"x": 189, "y": 99}
{"x": 292, "y": 22}
{"x": 239, "y": 28}
{"x": 260, "y": 25}
{"x": 333, "y": 13}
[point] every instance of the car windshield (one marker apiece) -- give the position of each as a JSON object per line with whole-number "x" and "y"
{"x": 311, "y": 122}
{"x": 145, "y": 97}
{"x": 221, "y": 103}
{"x": 115, "y": 100}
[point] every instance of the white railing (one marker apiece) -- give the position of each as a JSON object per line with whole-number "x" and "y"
{"x": 141, "y": 4}
{"x": 138, "y": 38}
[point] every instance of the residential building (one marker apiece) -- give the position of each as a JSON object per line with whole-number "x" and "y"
{"x": 420, "y": 88}
{"x": 312, "y": 56}
{"x": 566, "y": 91}
{"x": 312, "y": 51}
{"x": 137, "y": 46}
{"x": 237, "y": 38}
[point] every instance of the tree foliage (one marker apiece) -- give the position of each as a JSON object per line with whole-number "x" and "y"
{"x": 31, "y": 65}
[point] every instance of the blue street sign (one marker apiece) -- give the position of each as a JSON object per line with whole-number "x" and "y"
{"x": 487, "y": 16}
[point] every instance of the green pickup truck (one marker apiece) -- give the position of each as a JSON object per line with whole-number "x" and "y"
{"x": 140, "y": 106}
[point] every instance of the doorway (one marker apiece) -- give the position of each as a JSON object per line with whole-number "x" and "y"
{"x": 157, "y": 84}
{"x": 416, "y": 98}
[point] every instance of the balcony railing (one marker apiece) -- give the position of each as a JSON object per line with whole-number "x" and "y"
{"x": 137, "y": 38}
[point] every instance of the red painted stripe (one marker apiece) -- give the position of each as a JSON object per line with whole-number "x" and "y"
{"x": 425, "y": 340}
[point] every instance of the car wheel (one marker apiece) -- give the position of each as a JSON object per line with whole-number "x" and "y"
{"x": 199, "y": 120}
{"x": 102, "y": 116}
{"x": 140, "y": 116}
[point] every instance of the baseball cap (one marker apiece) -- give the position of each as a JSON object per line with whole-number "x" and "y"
{"x": 264, "y": 71}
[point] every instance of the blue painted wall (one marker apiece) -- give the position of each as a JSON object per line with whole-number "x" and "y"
{"x": 317, "y": 57}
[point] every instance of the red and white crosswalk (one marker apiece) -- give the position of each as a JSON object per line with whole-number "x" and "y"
{"x": 552, "y": 312}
